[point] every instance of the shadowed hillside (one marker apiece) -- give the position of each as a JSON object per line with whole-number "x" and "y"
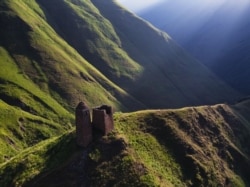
{"x": 177, "y": 78}
{"x": 196, "y": 146}
{"x": 216, "y": 33}
{"x": 132, "y": 60}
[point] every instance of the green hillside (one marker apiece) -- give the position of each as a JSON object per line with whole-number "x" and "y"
{"x": 54, "y": 54}
{"x": 56, "y": 67}
{"x": 195, "y": 146}
{"x": 42, "y": 79}
{"x": 137, "y": 57}
{"x": 171, "y": 77}
{"x": 28, "y": 115}
{"x": 98, "y": 52}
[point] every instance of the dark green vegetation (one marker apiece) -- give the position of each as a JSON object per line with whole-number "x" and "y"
{"x": 56, "y": 53}
{"x": 195, "y": 146}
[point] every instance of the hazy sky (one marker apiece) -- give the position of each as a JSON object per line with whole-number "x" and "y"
{"x": 137, "y": 5}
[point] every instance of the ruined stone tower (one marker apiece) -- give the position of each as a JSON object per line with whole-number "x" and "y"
{"x": 103, "y": 119}
{"x": 83, "y": 125}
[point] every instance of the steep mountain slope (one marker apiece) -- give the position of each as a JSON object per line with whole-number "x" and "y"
{"x": 50, "y": 62}
{"x": 28, "y": 114}
{"x": 196, "y": 146}
{"x": 104, "y": 48}
{"x": 174, "y": 74}
{"x": 54, "y": 54}
{"x": 216, "y": 33}
{"x": 42, "y": 79}
{"x": 53, "y": 43}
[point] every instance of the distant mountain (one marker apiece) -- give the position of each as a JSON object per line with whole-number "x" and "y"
{"x": 215, "y": 33}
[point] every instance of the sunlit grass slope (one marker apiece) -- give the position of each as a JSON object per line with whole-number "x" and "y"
{"x": 28, "y": 115}
{"x": 52, "y": 63}
{"x": 195, "y": 146}
{"x": 198, "y": 146}
{"x": 93, "y": 36}
{"x": 43, "y": 157}
{"x": 42, "y": 79}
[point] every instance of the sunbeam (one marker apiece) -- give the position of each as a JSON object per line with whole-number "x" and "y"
{"x": 138, "y": 5}
{"x": 216, "y": 32}
{"x": 206, "y": 28}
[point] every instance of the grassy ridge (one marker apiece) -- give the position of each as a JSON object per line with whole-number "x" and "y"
{"x": 161, "y": 166}
{"x": 196, "y": 146}
{"x": 200, "y": 146}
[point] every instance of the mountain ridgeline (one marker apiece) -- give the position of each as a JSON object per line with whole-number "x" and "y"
{"x": 194, "y": 146}
{"x": 54, "y": 54}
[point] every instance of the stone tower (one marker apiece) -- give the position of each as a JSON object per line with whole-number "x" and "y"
{"x": 83, "y": 125}
{"x": 103, "y": 119}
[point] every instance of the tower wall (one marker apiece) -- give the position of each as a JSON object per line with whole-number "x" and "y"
{"x": 83, "y": 125}
{"x": 103, "y": 119}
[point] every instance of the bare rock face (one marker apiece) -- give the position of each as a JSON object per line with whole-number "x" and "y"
{"x": 83, "y": 125}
